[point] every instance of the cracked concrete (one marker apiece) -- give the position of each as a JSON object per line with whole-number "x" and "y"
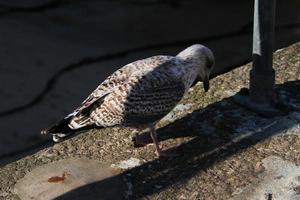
{"x": 227, "y": 151}
{"x": 39, "y": 52}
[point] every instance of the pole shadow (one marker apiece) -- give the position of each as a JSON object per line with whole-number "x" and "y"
{"x": 219, "y": 131}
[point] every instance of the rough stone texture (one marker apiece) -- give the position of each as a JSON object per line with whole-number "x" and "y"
{"x": 223, "y": 146}
{"x": 45, "y": 49}
{"x": 280, "y": 180}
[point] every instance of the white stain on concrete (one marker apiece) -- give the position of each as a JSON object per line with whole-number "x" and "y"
{"x": 280, "y": 181}
{"x": 127, "y": 164}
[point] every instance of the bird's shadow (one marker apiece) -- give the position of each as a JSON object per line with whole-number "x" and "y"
{"x": 215, "y": 134}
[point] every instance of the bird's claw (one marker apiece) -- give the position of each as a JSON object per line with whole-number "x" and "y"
{"x": 171, "y": 152}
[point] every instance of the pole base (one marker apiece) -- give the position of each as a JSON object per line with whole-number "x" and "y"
{"x": 277, "y": 107}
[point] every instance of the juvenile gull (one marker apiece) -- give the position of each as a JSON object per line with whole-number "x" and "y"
{"x": 140, "y": 93}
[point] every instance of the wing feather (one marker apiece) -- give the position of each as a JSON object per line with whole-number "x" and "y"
{"x": 105, "y": 88}
{"x": 145, "y": 106}
{"x": 118, "y": 78}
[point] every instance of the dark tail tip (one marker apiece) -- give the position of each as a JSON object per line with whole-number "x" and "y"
{"x": 45, "y": 131}
{"x": 59, "y": 127}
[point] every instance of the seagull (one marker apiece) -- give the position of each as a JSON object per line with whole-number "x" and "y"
{"x": 140, "y": 94}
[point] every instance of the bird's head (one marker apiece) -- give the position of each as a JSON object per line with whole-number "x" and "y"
{"x": 201, "y": 57}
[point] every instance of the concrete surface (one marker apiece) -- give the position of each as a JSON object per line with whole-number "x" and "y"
{"x": 281, "y": 180}
{"x": 53, "y": 56}
{"x": 226, "y": 151}
{"x": 55, "y": 179}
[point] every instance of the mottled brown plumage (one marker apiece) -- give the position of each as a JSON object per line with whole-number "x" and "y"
{"x": 140, "y": 93}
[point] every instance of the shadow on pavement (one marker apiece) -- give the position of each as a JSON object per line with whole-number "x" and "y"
{"x": 200, "y": 153}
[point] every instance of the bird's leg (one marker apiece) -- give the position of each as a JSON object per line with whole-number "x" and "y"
{"x": 155, "y": 141}
{"x": 159, "y": 152}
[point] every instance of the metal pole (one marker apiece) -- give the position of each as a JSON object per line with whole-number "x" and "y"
{"x": 262, "y": 75}
{"x": 262, "y": 98}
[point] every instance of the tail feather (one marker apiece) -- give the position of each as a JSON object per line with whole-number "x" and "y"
{"x": 78, "y": 122}
{"x": 69, "y": 126}
{"x": 61, "y": 127}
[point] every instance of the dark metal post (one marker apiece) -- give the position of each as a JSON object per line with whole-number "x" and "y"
{"x": 262, "y": 98}
{"x": 262, "y": 75}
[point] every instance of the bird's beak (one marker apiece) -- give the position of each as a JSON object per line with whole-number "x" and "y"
{"x": 206, "y": 84}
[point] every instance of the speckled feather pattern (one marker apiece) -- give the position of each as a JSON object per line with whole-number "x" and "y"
{"x": 140, "y": 93}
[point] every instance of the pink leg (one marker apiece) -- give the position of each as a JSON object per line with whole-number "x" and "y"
{"x": 159, "y": 152}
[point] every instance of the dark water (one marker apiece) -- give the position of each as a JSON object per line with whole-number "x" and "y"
{"x": 53, "y": 56}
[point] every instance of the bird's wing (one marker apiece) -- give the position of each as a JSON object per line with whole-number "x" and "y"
{"x": 116, "y": 79}
{"x": 148, "y": 103}
{"x": 105, "y": 88}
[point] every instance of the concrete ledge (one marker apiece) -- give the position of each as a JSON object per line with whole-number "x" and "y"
{"x": 227, "y": 150}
